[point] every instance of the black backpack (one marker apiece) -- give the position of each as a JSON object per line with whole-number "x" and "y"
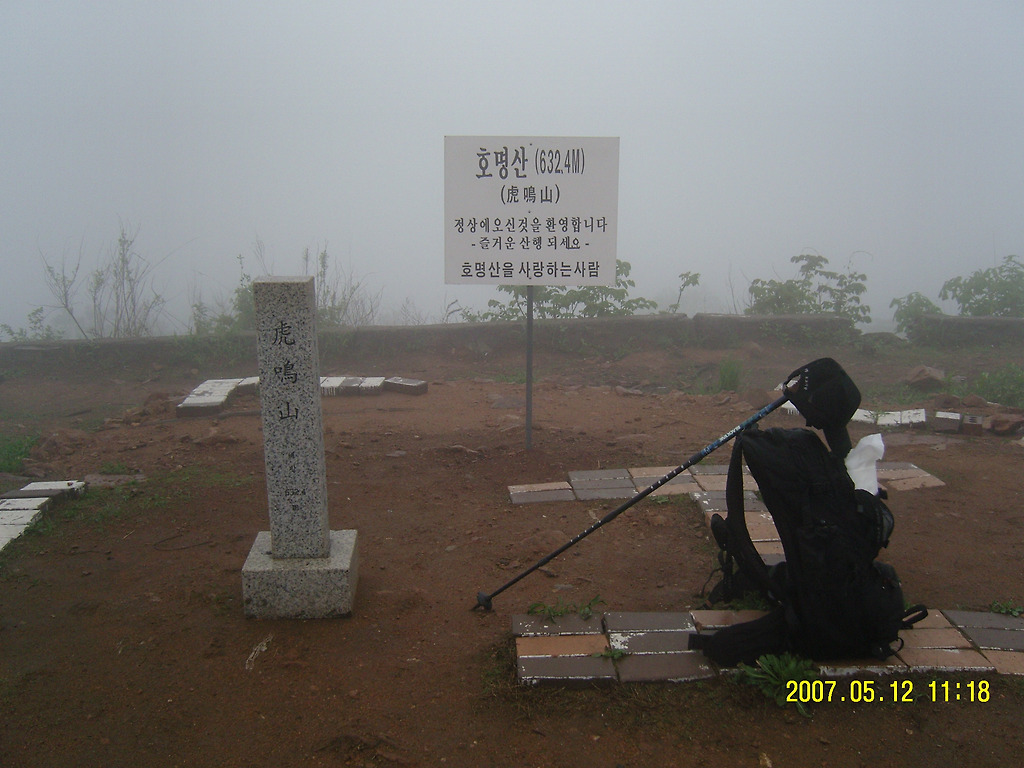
{"x": 833, "y": 599}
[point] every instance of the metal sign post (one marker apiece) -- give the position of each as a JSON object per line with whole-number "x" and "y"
{"x": 529, "y": 367}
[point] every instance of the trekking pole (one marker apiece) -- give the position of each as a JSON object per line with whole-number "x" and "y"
{"x": 483, "y": 600}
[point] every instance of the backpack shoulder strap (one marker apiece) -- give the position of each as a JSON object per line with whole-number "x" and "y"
{"x": 739, "y": 543}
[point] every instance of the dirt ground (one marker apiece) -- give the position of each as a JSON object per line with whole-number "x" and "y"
{"x": 122, "y": 636}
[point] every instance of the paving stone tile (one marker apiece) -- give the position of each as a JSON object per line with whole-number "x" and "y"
{"x": 984, "y": 619}
{"x": 34, "y": 503}
{"x": 248, "y": 386}
{"x": 561, "y": 645}
{"x": 205, "y": 406}
{"x": 934, "y": 620}
{"x": 645, "y": 477}
{"x": 585, "y": 475}
{"x": 995, "y": 638}
{"x": 47, "y": 489}
{"x": 538, "y": 487}
{"x": 565, "y": 670}
{"x": 350, "y": 385}
{"x": 900, "y": 473}
{"x": 972, "y": 424}
{"x": 533, "y": 497}
{"x": 863, "y": 416}
{"x": 770, "y": 551}
{"x": 1006, "y": 662}
{"x": 11, "y": 531}
{"x": 761, "y": 527}
{"x": 670, "y": 667}
{"x": 22, "y": 517}
{"x": 708, "y": 468}
{"x": 405, "y": 386}
{"x": 718, "y": 619}
{"x": 719, "y": 482}
{"x": 371, "y": 385}
{"x": 913, "y": 416}
{"x": 592, "y": 494}
{"x": 649, "y": 621}
{"x": 329, "y": 385}
{"x": 709, "y": 505}
{"x": 934, "y": 638}
{"x": 524, "y": 625}
{"x": 946, "y": 422}
{"x": 669, "y": 489}
{"x": 944, "y": 659}
{"x": 650, "y": 642}
{"x": 901, "y": 418}
{"x": 914, "y": 483}
{"x": 847, "y": 667}
{"x": 598, "y": 484}
{"x": 529, "y": 494}
{"x": 657, "y": 473}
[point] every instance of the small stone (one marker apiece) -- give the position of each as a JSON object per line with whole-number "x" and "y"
{"x": 925, "y": 378}
{"x": 1006, "y": 424}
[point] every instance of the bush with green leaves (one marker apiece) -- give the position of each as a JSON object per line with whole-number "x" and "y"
{"x": 38, "y": 329}
{"x": 815, "y": 290}
{"x": 994, "y": 292}
{"x": 910, "y": 309}
{"x": 563, "y": 301}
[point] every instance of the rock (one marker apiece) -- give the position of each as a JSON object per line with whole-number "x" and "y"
{"x": 945, "y": 403}
{"x": 627, "y": 391}
{"x": 924, "y": 378}
{"x": 1006, "y": 423}
{"x": 975, "y": 401}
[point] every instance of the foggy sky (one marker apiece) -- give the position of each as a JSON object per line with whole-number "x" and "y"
{"x": 883, "y": 135}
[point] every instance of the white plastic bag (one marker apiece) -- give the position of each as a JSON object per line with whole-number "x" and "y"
{"x": 860, "y": 462}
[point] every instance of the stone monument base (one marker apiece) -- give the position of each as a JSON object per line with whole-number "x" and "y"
{"x": 300, "y": 588}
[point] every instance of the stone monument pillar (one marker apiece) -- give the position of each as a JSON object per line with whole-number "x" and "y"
{"x": 299, "y": 568}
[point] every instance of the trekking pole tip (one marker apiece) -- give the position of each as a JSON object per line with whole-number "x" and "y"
{"x": 483, "y": 600}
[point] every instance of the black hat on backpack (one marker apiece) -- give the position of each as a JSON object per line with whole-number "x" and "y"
{"x": 827, "y": 398}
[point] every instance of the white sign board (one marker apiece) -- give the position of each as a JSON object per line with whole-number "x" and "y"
{"x": 530, "y": 210}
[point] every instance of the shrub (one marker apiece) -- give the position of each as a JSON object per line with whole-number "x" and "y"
{"x": 994, "y": 292}
{"x": 910, "y": 309}
{"x": 815, "y": 290}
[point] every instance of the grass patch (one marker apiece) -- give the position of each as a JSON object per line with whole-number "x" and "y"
{"x": 103, "y": 506}
{"x": 1004, "y": 386}
{"x": 730, "y": 374}
{"x": 13, "y": 450}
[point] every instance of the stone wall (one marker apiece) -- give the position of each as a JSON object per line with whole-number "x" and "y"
{"x": 953, "y": 331}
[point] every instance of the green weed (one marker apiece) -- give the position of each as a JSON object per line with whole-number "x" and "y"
{"x": 561, "y": 608}
{"x": 1004, "y": 386}
{"x": 729, "y": 376}
{"x": 611, "y": 653}
{"x": 773, "y": 673}
{"x": 13, "y": 450}
{"x": 1007, "y": 608}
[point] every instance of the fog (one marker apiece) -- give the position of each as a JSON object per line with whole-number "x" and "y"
{"x": 885, "y": 136}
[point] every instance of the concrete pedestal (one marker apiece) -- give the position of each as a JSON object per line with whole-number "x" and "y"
{"x": 301, "y": 588}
